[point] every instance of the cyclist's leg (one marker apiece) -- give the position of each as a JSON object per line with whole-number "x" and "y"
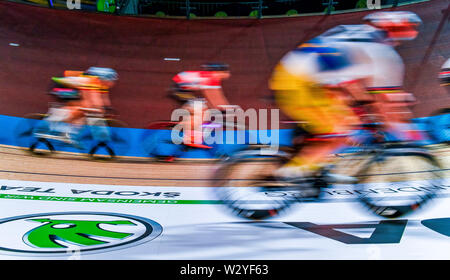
{"x": 329, "y": 133}
{"x": 71, "y": 118}
{"x": 324, "y": 116}
{"x": 96, "y": 100}
{"x": 193, "y": 126}
{"x": 394, "y": 107}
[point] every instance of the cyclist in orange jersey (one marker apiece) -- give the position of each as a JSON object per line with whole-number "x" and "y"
{"x": 89, "y": 95}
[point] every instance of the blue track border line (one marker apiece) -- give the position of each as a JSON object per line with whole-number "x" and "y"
{"x": 9, "y": 124}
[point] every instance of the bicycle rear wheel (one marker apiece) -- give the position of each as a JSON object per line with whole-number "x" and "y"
{"x": 398, "y": 181}
{"x": 24, "y": 135}
{"x": 157, "y": 142}
{"x": 244, "y": 184}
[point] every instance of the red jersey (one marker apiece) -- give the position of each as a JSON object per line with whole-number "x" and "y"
{"x": 196, "y": 80}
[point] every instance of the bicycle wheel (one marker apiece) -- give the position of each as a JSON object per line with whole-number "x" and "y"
{"x": 244, "y": 184}
{"x": 398, "y": 181}
{"x": 110, "y": 138}
{"x": 157, "y": 142}
{"x": 24, "y": 135}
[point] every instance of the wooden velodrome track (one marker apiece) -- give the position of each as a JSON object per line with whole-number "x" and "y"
{"x": 17, "y": 164}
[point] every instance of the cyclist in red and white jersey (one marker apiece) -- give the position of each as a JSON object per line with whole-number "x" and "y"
{"x": 205, "y": 84}
{"x": 201, "y": 88}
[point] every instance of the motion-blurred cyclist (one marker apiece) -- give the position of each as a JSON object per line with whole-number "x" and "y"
{"x": 202, "y": 89}
{"x": 320, "y": 81}
{"x": 88, "y": 94}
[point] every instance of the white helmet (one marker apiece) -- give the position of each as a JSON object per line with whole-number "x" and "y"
{"x": 399, "y": 25}
{"x": 103, "y": 73}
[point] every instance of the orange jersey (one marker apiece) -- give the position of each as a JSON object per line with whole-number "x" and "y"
{"x": 81, "y": 82}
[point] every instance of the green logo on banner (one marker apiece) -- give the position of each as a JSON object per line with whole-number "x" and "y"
{"x": 82, "y": 233}
{"x": 63, "y": 233}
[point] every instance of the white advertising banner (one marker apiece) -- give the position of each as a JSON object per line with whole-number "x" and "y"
{"x": 40, "y": 220}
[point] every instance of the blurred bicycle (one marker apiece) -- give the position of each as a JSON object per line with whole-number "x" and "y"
{"x": 158, "y": 144}
{"x": 246, "y": 184}
{"x": 82, "y": 117}
{"x": 102, "y": 137}
{"x": 197, "y": 93}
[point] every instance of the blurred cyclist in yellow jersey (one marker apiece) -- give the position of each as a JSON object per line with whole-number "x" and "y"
{"x": 91, "y": 89}
{"x": 318, "y": 82}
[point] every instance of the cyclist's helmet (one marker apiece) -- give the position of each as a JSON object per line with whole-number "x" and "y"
{"x": 215, "y": 66}
{"x": 398, "y": 25}
{"x": 444, "y": 75}
{"x": 107, "y": 74}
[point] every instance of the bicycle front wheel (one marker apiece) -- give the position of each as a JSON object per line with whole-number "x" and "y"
{"x": 110, "y": 138}
{"x": 398, "y": 181}
{"x": 244, "y": 183}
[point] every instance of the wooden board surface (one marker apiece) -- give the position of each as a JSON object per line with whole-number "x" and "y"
{"x": 16, "y": 164}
